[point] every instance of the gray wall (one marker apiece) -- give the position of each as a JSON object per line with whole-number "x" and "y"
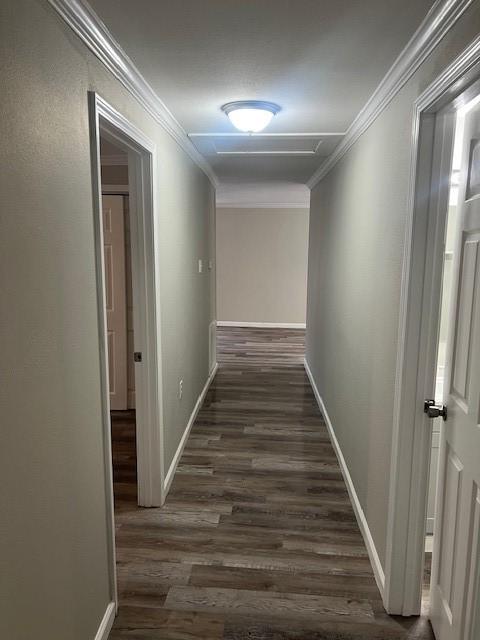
{"x": 53, "y": 535}
{"x": 262, "y": 264}
{"x": 357, "y": 226}
{"x": 115, "y": 174}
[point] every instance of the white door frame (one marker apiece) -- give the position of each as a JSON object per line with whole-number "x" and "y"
{"x": 106, "y": 121}
{"x": 432, "y": 137}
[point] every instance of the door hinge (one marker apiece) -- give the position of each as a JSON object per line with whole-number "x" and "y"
{"x": 137, "y": 356}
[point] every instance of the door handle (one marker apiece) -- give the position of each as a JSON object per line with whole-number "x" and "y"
{"x": 434, "y": 410}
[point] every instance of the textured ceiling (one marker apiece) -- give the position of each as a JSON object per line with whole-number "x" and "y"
{"x": 320, "y": 60}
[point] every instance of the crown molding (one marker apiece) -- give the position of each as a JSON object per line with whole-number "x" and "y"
{"x": 92, "y": 31}
{"x": 231, "y": 204}
{"x": 263, "y": 195}
{"x": 81, "y": 18}
{"x": 438, "y": 21}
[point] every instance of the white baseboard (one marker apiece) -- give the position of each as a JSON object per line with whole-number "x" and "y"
{"x": 212, "y": 344}
{"x": 107, "y": 622}
{"x": 261, "y": 325}
{"x": 359, "y": 514}
{"x": 178, "y": 454}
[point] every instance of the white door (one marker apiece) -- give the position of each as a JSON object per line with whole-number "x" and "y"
{"x": 115, "y": 294}
{"x": 455, "y": 593}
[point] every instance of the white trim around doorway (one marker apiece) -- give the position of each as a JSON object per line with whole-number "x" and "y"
{"x": 432, "y": 133}
{"x": 106, "y": 121}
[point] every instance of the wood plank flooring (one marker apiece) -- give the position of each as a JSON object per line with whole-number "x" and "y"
{"x": 257, "y": 539}
{"x": 124, "y": 454}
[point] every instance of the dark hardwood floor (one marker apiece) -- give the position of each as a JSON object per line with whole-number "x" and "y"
{"x": 124, "y": 454}
{"x": 257, "y": 539}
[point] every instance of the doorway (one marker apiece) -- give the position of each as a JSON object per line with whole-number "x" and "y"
{"x": 454, "y": 587}
{"x": 119, "y": 313}
{"x": 438, "y": 388}
{"x": 453, "y": 383}
{"x": 128, "y": 310}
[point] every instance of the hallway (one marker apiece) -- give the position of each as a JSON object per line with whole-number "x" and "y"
{"x": 290, "y": 191}
{"x": 257, "y": 538}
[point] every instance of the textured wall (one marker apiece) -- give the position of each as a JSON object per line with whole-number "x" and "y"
{"x": 53, "y": 535}
{"x": 262, "y": 264}
{"x": 356, "y": 243}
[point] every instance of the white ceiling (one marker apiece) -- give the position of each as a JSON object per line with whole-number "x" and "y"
{"x": 320, "y": 60}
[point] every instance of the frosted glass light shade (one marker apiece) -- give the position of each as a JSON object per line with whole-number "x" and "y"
{"x": 250, "y": 120}
{"x": 250, "y": 116}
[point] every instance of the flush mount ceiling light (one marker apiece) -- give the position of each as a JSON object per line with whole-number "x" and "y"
{"x": 250, "y": 116}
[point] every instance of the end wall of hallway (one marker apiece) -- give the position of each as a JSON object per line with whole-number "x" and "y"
{"x": 262, "y": 265}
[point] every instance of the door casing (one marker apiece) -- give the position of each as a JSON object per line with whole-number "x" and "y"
{"x": 105, "y": 121}
{"x": 432, "y": 139}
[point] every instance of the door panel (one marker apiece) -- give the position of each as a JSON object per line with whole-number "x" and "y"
{"x": 115, "y": 298}
{"x": 472, "y": 618}
{"x": 455, "y": 573}
{"x": 451, "y": 494}
{"x": 465, "y": 317}
{"x": 432, "y": 482}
